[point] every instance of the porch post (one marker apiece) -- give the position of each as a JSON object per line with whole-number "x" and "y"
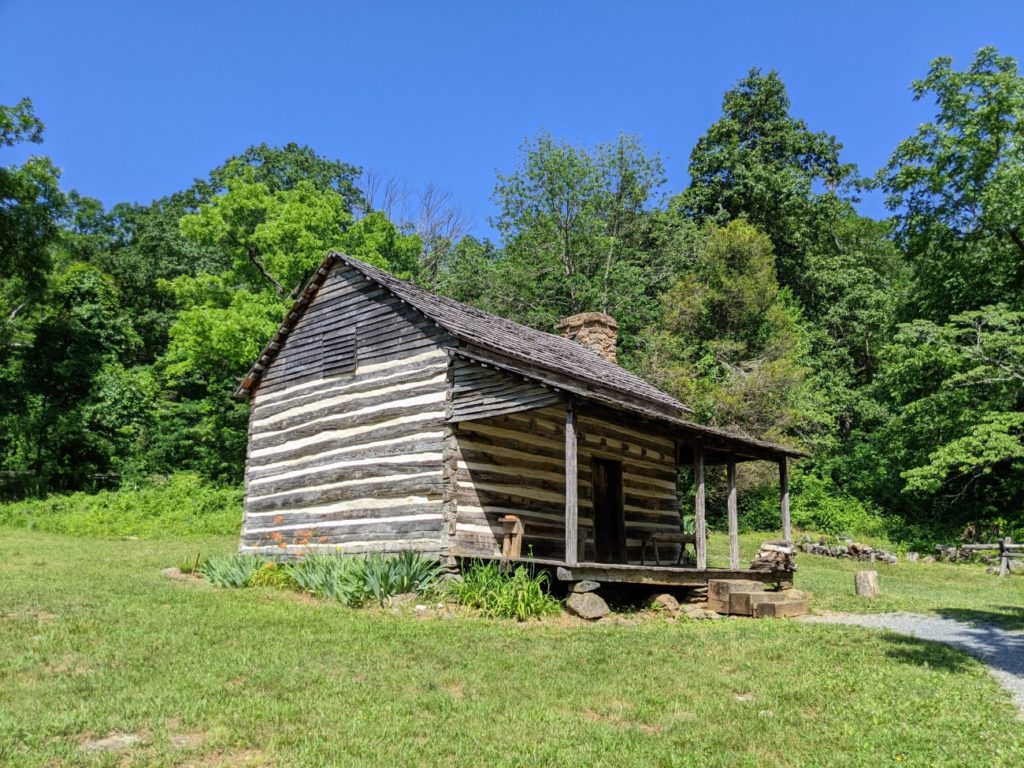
{"x": 734, "y": 521}
{"x": 787, "y": 530}
{"x": 700, "y": 537}
{"x": 571, "y": 491}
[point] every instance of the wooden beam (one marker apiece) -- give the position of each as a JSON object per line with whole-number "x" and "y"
{"x": 571, "y": 489}
{"x": 787, "y": 529}
{"x": 734, "y": 521}
{"x": 699, "y": 528}
{"x": 664, "y": 576}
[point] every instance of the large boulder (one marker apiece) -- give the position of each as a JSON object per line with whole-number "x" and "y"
{"x": 587, "y": 605}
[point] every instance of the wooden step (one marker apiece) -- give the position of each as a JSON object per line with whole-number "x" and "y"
{"x": 720, "y": 590}
{"x": 744, "y": 603}
{"x": 779, "y": 609}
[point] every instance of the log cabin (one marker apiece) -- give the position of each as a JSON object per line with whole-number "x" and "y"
{"x": 384, "y": 418}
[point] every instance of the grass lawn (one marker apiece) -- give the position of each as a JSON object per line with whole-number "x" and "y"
{"x": 94, "y": 641}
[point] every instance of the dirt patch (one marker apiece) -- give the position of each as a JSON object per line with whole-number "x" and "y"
{"x": 31, "y": 614}
{"x": 66, "y": 665}
{"x": 114, "y": 742}
{"x": 245, "y": 758}
{"x": 187, "y": 740}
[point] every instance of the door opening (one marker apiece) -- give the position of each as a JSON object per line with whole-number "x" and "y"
{"x": 609, "y": 515}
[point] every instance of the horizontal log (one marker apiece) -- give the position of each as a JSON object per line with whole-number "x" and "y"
{"x": 344, "y": 403}
{"x": 414, "y": 403}
{"x": 336, "y": 440}
{"x": 426, "y": 484}
{"x": 405, "y": 465}
{"x": 417, "y": 442}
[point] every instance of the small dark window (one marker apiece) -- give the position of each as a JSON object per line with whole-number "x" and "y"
{"x": 338, "y": 351}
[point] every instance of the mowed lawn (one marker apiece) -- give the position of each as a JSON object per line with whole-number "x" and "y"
{"x": 94, "y": 642}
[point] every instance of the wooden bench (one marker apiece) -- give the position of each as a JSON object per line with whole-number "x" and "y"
{"x": 682, "y": 539}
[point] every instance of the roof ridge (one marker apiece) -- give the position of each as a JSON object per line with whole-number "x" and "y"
{"x": 654, "y": 395}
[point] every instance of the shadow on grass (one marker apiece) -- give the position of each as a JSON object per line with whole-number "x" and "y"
{"x": 989, "y": 643}
{"x": 1010, "y": 617}
{"x": 918, "y": 652}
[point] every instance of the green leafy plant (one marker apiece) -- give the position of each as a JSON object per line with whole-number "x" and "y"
{"x": 230, "y": 570}
{"x": 272, "y": 574}
{"x": 354, "y": 581}
{"x": 509, "y": 594}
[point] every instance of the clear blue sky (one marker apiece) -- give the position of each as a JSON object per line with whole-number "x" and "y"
{"x": 140, "y": 97}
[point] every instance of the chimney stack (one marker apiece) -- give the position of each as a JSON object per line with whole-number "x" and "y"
{"x": 594, "y": 330}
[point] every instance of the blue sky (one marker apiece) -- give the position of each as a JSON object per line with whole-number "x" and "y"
{"x": 140, "y": 98}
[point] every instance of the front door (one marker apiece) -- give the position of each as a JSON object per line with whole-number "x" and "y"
{"x": 609, "y": 516}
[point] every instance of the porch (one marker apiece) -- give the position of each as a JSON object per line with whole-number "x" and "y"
{"x": 601, "y": 545}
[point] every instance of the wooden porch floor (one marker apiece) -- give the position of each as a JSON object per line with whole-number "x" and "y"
{"x": 654, "y": 575}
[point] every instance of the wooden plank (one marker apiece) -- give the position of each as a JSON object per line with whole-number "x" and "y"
{"x": 787, "y": 528}
{"x": 734, "y": 525}
{"x": 658, "y": 576}
{"x": 699, "y": 528}
{"x": 571, "y": 490}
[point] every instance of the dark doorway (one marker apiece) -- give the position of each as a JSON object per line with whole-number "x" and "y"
{"x": 609, "y": 516}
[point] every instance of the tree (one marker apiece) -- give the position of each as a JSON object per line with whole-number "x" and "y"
{"x": 952, "y": 450}
{"x": 957, "y": 187}
{"x": 31, "y": 204}
{"x": 83, "y": 408}
{"x": 574, "y": 225}
{"x": 760, "y": 163}
{"x": 731, "y": 344}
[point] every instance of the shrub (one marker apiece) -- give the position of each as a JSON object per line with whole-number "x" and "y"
{"x": 230, "y": 570}
{"x": 508, "y": 594}
{"x": 354, "y": 581}
{"x": 815, "y": 505}
{"x": 179, "y": 506}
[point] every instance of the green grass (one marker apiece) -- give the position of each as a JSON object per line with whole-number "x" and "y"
{"x": 94, "y": 640}
{"x": 180, "y": 506}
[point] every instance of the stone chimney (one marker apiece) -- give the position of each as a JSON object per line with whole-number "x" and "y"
{"x": 595, "y": 331}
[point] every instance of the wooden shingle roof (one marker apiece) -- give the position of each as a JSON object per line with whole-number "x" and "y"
{"x": 503, "y": 343}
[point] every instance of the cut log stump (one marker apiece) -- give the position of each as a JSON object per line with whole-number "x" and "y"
{"x": 866, "y": 583}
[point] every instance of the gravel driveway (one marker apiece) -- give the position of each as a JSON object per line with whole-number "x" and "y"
{"x": 1000, "y": 649}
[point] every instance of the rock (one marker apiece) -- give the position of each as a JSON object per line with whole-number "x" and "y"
{"x": 912, "y": 557}
{"x": 1016, "y": 565}
{"x": 403, "y": 599}
{"x": 587, "y": 605}
{"x": 928, "y": 559}
{"x": 420, "y": 608}
{"x": 794, "y": 594}
{"x": 699, "y": 613}
{"x": 662, "y": 602}
{"x": 585, "y": 586}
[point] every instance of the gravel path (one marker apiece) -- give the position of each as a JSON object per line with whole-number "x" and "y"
{"x": 1000, "y": 649}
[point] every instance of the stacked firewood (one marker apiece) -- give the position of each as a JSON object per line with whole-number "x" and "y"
{"x": 775, "y": 556}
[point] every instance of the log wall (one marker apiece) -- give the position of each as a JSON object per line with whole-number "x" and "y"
{"x": 515, "y": 463}
{"x": 347, "y": 429}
